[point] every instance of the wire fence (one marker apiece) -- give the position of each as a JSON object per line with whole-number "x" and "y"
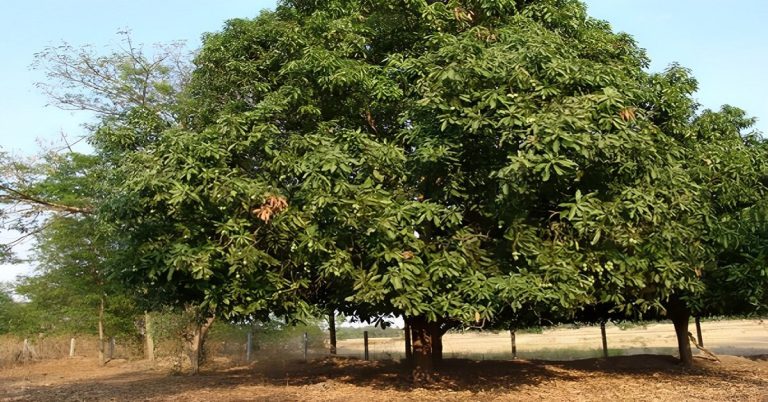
{"x": 15, "y": 350}
{"x": 253, "y": 346}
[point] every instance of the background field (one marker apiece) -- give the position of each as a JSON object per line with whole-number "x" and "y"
{"x": 733, "y": 337}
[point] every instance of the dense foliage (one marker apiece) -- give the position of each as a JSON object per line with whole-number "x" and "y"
{"x": 450, "y": 160}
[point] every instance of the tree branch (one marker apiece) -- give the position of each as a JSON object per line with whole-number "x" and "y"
{"x": 47, "y": 204}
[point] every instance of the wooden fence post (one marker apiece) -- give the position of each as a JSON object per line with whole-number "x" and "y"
{"x": 365, "y": 342}
{"x": 305, "y": 346}
{"x": 149, "y": 340}
{"x": 698, "y": 331}
{"x": 248, "y": 346}
{"x": 72, "y": 347}
{"x": 111, "y": 348}
{"x": 25, "y": 353}
{"x": 332, "y": 330}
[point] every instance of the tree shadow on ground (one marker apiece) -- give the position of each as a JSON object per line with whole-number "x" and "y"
{"x": 757, "y": 357}
{"x": 656, "y": 365}
{"x": 276, "y": 380}
{"x": 453, "y": 374}
{"x": 275, "y": 376}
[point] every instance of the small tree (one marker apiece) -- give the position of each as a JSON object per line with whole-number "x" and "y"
{"x": 11, "y": 312}
{"x": 71, "y": 291}
{"x": 134, "y": 94}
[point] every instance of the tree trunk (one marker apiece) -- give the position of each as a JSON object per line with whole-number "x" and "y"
{"x": 427, "y": 348}
{"x": 436, "y": 333}
{"x": 680, "y": 314}
{"x": 195, "y": 342}
{"x": 149, "y": 340}
{"x": 332, "y": 330}
{"x": 408, "y": 348}
{"x": 604, "y": 338}
{"x": 513, "y": 341}
{"x": 437, "y": 350}
{"x": 422, "y": 350}
{"x": 101, "y": 331}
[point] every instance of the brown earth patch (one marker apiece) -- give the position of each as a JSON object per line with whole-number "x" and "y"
{"x": 641, "y": 377}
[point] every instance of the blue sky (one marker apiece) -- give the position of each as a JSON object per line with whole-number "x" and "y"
{"x": 724, "y": 44}
{"x": 27, "y": 27}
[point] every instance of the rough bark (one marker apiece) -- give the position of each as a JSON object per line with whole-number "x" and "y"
{"x": 332, "y": 330}
{"x": 422, "y": 350}
{"x": 195, "y": 341}
{"x": 427, "y": 348}
{"x": 680, "y": 314}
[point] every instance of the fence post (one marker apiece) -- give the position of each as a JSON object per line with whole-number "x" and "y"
{"x": 305, "y": 346}
{"x": 332, "y": 330}
{"x": 365, "y": 341}
{"x": 25, "y": 354}
{"x": 514, "y": 343}
{"x": 605, "y": 339}
{"x": 149, "y": 340}
{"x": 72, "y": 347}
{"x": 248, "y": 346}
{"x": 698, "y": 331}
{"x": 111, "y": 348}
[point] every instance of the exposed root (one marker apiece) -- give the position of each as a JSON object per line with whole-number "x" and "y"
{"x": 703, "y": 349}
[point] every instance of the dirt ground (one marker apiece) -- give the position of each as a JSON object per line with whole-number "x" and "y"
{"x": 639, "y": 378}
{"x": 653, "y": 375}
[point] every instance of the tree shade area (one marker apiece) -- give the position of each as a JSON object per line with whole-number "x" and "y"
{"x": 485, "y": 163}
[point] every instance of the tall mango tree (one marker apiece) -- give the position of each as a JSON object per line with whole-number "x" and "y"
{"x": 448, "y": 161}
